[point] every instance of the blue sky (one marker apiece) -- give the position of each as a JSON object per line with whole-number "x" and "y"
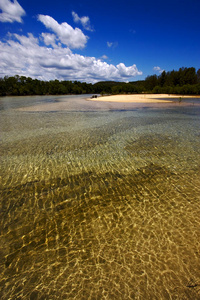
{"x": 98, "y": 40}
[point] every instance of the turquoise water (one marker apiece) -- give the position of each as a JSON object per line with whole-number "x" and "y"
{"x": 99, "y": 203}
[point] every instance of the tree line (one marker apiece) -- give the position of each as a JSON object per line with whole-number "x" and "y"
{"x": 185, "y": 81}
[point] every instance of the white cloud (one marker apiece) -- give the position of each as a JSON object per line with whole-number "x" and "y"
{"x": 49, "y": 39}
{"x": 104, "y": 57}
{"x": 85, "y": 21}
{"x": 109, "y": 44}
{"x": 112, "y": 45}
{"x": 72, "y": 38}
{"x": 127, "y": 71}
{"x": 158, "y": 69}
{"x": 11, "y": 11}
{"x": 23, "y": 55}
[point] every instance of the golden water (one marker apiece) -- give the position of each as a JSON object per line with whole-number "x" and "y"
{"x": 100, "y": 204}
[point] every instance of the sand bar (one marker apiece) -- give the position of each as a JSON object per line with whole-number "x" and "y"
{"x": 114, "y": 102}
{"x": 141, "y": 98}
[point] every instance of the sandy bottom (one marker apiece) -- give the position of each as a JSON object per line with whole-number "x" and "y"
{"x": 99, "y": 204}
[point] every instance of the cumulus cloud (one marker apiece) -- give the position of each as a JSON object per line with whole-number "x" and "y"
{"x": 158, "y": 69}
{"x": 24, "y": 55}
{"x": 11, "y": 11}
{"x": 49, "y": 39}
{"x": 72, "y": 38}
{"x": 127, "y": 71}
{"x": 85, "y": 21}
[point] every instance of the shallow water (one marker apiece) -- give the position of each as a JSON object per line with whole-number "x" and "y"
{"x": 99, "y": 204}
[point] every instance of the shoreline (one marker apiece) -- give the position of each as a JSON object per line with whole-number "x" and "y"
{"x": 113, "y": 102}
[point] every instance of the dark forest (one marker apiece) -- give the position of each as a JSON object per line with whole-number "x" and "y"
{"x": 185, "y": 81}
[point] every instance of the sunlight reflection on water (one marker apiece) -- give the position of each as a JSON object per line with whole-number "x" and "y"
{"x": 99, "y": 204}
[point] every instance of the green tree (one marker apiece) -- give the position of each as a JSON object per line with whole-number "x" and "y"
{"x": 162, "y": 78}
{"x": 198, "y": 75}
{"x": 151, "y": 82}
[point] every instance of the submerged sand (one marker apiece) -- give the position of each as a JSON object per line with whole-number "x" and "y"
{"x": 99, "y": 205}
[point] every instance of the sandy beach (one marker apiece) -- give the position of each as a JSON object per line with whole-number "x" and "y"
{"x": 114, "y": 102}
{"x": 141, "y": 98}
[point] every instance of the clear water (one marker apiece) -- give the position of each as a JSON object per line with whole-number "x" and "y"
{"x": 99, "y": 203}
